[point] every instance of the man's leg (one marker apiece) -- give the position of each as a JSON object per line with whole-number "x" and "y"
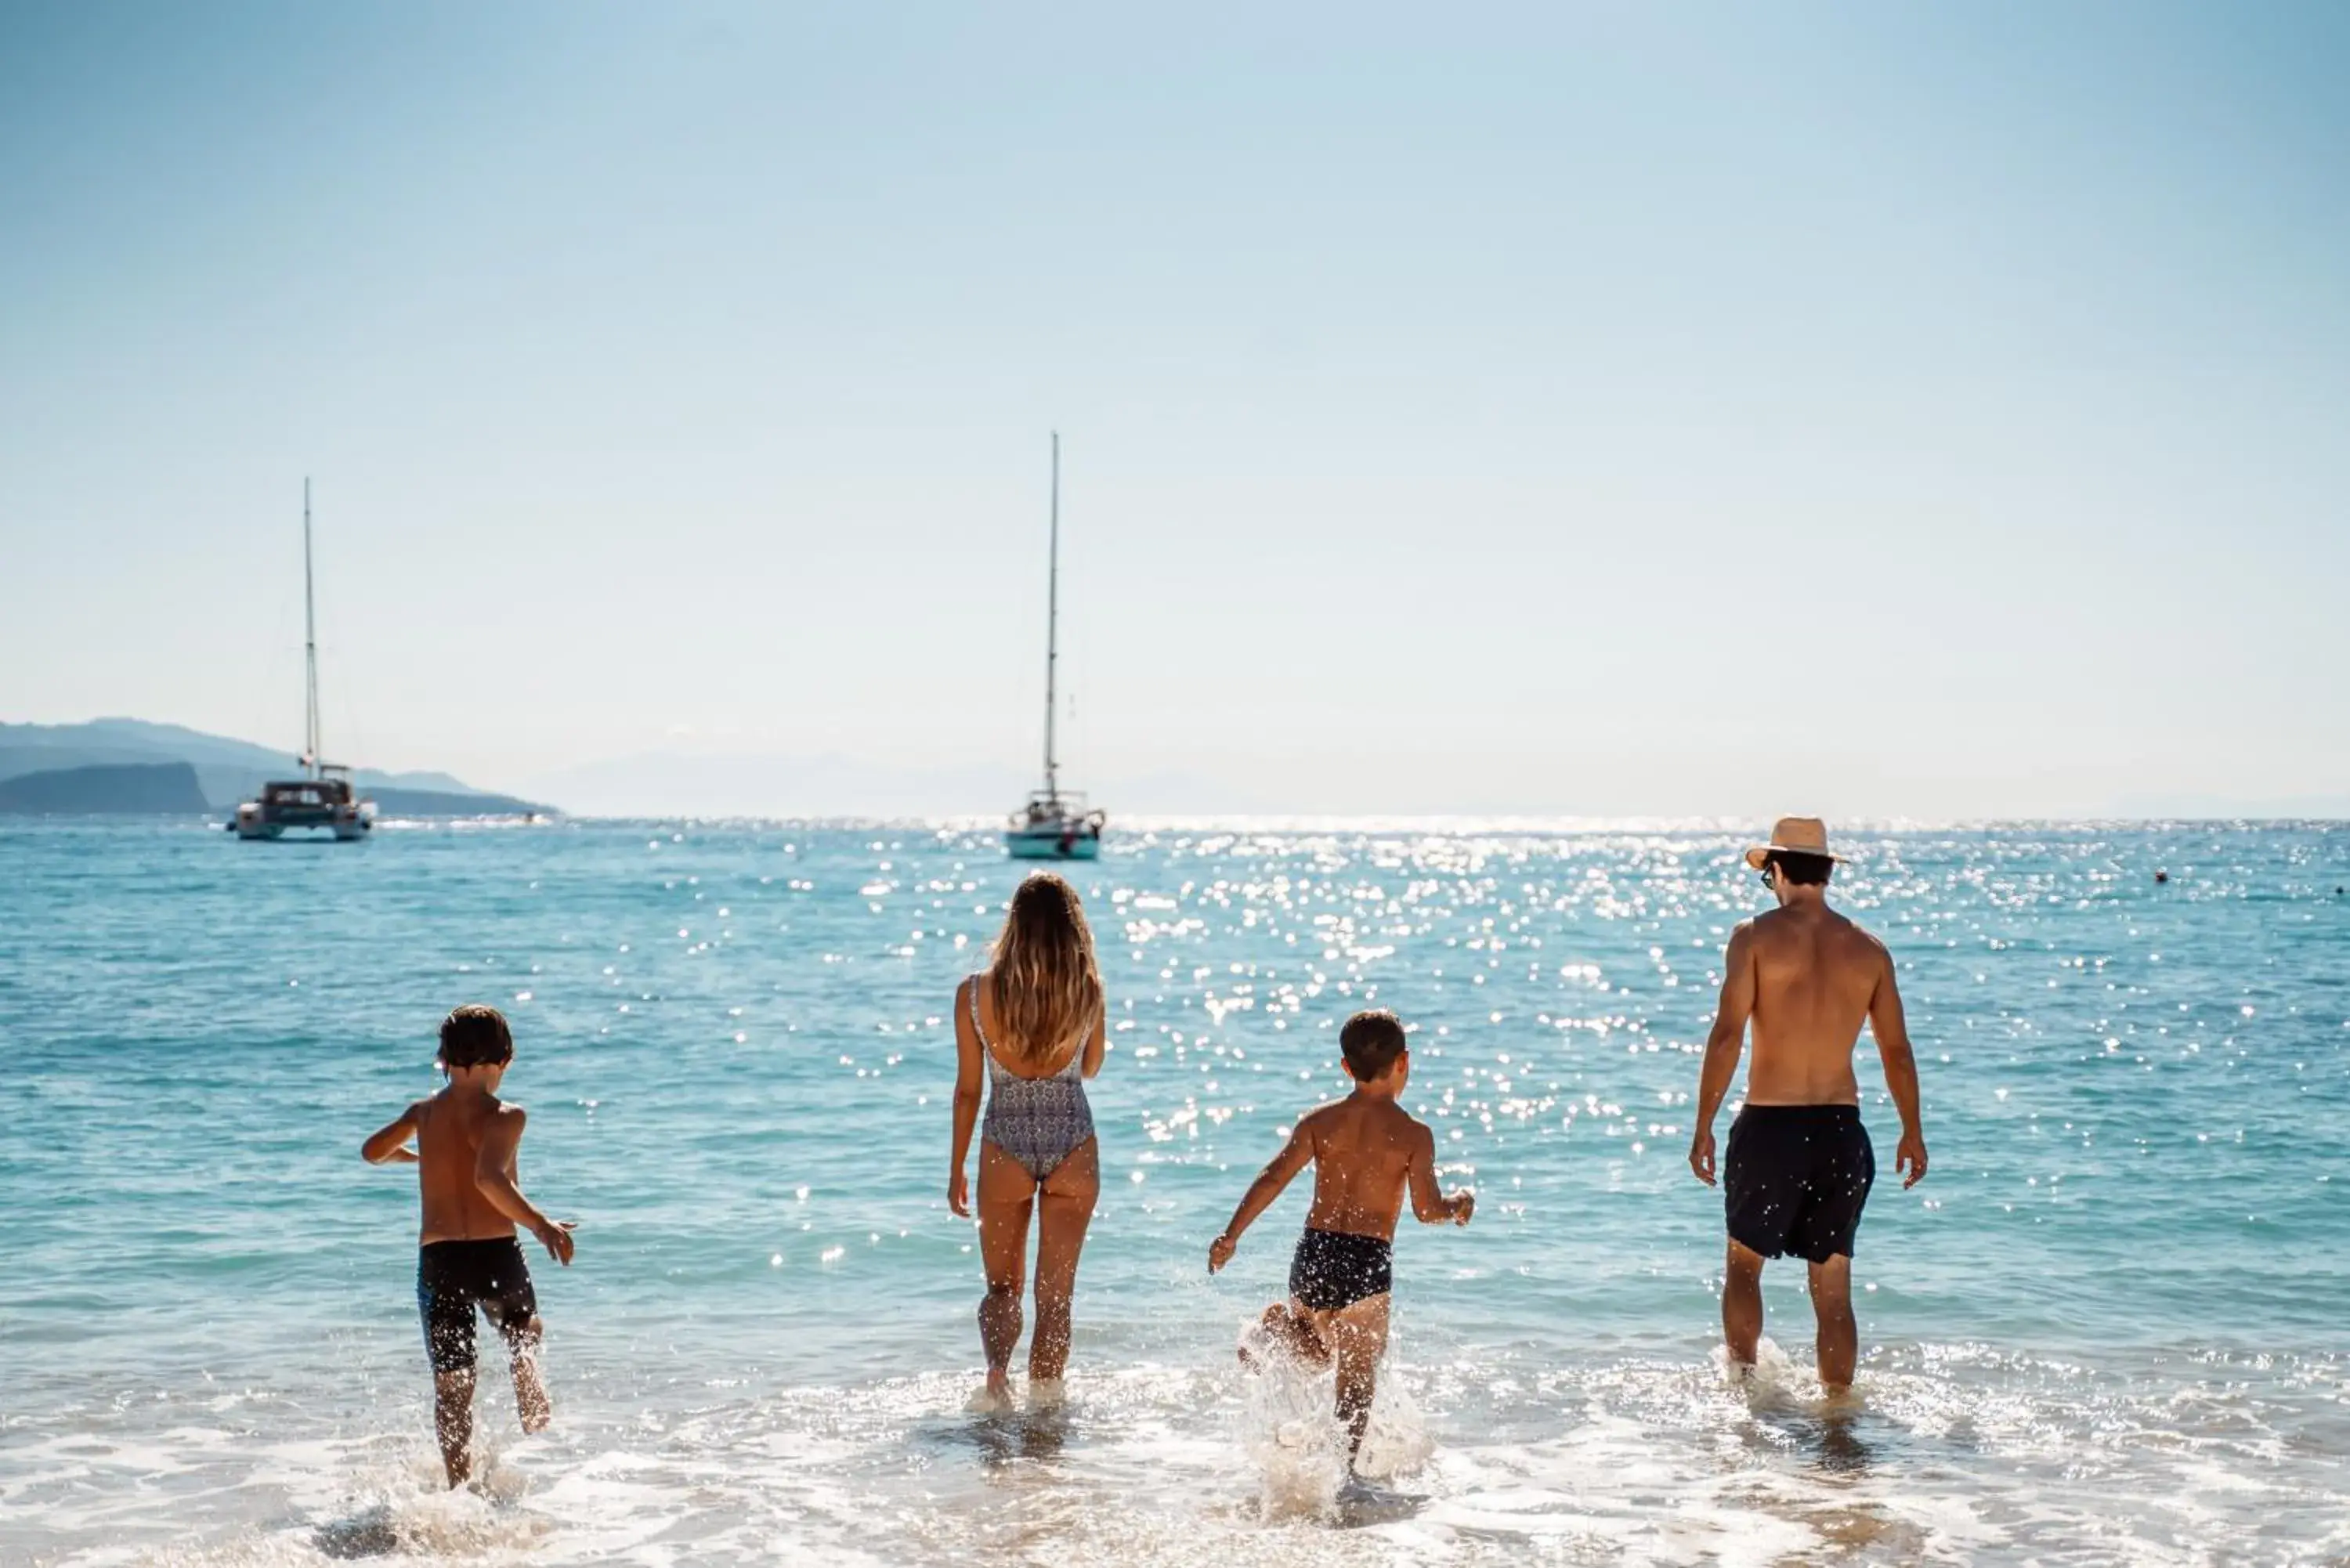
{"x": 452, "y": 1419}
{"x": 1358, "y": 1337}
{"x": 1839, "y": 1344}
{"x": 1742, "y": 1305}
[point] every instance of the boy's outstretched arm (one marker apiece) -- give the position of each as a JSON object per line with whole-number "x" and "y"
{"x": 492, "y": 1174}
{"x": 1294, "y": 1156}
{"x": 1429, "y": 1206}
{"x": 389, "y": 1144}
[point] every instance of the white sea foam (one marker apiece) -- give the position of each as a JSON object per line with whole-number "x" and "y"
{"x": 1952, "y": 1454}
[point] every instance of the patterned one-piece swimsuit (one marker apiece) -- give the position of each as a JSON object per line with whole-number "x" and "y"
{"x": 1039, "y": 1122}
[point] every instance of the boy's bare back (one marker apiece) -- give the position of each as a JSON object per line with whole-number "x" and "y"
{"x": 451, "y": 1127}
{"x": 1366, "y": 1152}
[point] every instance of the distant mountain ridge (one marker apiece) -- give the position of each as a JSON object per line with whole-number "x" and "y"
{"x": 149, "y": 788}
{"x": 228, "y": 771}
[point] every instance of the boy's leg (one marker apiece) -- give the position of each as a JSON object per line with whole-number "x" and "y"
{"x": 1006, "y": 1193}
{"x": 1290, "y": 1325}
{"x": 1839, "y": 1342}
{"x": 1742, "y": 1305}
{"x": 452, "y": 1421}
{"x": 523, "y": 1338}
{"x": 1065, "y": 1207}
{"x": 448, "y": 1313}
{"x": 1358, "y": 1337}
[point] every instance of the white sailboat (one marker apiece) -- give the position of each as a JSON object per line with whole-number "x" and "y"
{"x": 1055, "y": 825}
{"x": 324, "y": 796}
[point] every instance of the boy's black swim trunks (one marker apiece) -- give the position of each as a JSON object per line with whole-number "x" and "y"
{"x": 1796, "y": 1178}
{"x": 1332, "y": 1269}
{"x": 452, "y": 1277}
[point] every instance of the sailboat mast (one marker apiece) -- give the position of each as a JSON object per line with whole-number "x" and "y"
{"x": 1053, "y": 630}
{"x": 309, "y": 645}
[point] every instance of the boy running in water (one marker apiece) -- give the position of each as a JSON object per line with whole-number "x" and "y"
{"x": 1366, "y": 1151}
{"x": 465, "y": 1143}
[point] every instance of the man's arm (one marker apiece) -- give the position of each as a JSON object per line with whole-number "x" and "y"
{"x": 389, "y": 1144}
{"x": 494, "y": 1174}
{"x": 1724, "y": 1044}
{"x": 1429, "y": 1206}
{"x": 1294, "y": 1156}
{"x": 1887, "y": 1022}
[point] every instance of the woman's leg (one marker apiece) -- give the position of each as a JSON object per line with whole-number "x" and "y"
{"x": 1064, "y": 1208}
{"x": 1006, "y": 1191}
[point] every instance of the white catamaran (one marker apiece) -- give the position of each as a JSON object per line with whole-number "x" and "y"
{"x": 323, "y": 797}
{"x": 1053, "y": 824}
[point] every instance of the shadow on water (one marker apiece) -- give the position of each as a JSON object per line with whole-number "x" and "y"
{"x": 1831, "y": 1440}
{"x": 1842, "y": 1451}
{"x": 1832, "y": 1444}
{"x": 1008, "y": 1438}
{"x": 370, "y": 1533}
{"x": 1361, "y": 1504}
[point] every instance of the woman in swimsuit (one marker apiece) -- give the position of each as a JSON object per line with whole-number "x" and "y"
{"x": 1031, "y": 1027}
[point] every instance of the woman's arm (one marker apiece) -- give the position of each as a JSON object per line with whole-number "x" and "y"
{"x": 1096, "y": 1042}
{"x": 970, "y": 1077}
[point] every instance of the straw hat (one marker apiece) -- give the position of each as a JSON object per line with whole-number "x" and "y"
{"x": 1796, "y": 835}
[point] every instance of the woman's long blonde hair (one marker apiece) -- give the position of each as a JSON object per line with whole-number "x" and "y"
{"x": 1044, "y": 982}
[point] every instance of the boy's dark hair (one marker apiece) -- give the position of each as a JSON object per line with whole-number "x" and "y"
{"x": 1371, "y": 1042}
{"x": 1803, "y": 870}
{"x": 475, "y": 1035}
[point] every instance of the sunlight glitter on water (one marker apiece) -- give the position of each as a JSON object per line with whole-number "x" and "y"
{"x": 738, "y": 1066}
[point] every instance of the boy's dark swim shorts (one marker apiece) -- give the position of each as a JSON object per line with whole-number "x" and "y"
{"x": 1333, "y": 1270}
{"x": 452, "y": 1277}
{"x": 1796, "y": 1178}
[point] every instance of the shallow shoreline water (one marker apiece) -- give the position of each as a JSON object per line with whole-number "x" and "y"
{"x": 2105, "y": 1329}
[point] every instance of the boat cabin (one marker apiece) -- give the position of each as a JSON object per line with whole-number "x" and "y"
{"x": 306, "y": 795}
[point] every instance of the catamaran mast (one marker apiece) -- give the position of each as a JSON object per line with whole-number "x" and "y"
{"x": 309, "y": 645}
{"x": 1053, "y": 630}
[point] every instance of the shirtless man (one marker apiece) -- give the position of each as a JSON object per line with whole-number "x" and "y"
{"x": 1800, "y": 1164}
{"x": 1366, "y": 1151}
{"x": 466, "y": 1139}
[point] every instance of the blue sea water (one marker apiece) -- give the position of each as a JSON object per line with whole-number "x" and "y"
{"x": 2105, "y": 1329}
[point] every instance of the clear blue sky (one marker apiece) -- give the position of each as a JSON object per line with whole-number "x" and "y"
{"x": 1904, "y": 410}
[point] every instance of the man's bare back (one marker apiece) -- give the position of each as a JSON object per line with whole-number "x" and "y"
{"x": 1815, "y": 979}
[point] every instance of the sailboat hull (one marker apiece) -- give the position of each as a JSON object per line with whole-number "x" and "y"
{"x": 1050, "y": 843}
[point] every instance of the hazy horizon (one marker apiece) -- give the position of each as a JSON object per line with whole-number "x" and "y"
{"x": 1929, "y": 413}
